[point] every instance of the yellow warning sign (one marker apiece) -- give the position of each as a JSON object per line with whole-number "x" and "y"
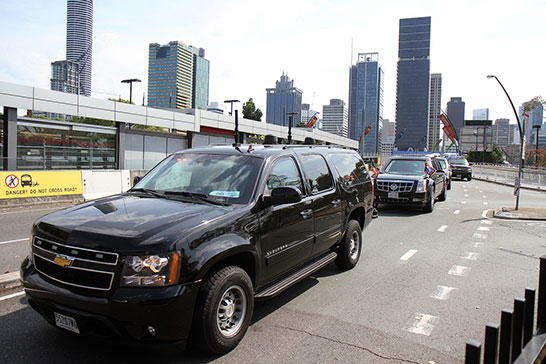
{"x": 34, "y": 184}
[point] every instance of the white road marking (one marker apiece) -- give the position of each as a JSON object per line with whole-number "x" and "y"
{"x": 443, "y": 292}
{"x": 442, "y": 228}
{"x": 465, "y": 195}
{"x": 484, "y": 213}
{"x": 487, "y": 222}
{"x": 423, "y": 324}
{"x": 456, "y": 212}
{"x": 477, "y": 245}
{"x": 479, "y": 236}
{"x": 484, "y": 196}
{"x": 16, "y": 294}
{"x": 481, "y": 191}
{"x": 410, "y": 253}
{"x": 12, "y": 241}
{"x": 486, "y": 203}
{"x": 463, "y": 202}
{"x": 459, "y": 270}
{"x": 470, "y": 256}
{"x": 483, "y": 228}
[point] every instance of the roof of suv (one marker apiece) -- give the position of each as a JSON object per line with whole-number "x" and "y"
{"x": 412, "y": 157}
{"x": 263, "y": 150}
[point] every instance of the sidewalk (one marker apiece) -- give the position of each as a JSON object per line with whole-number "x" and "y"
{"x": 523, "y": 213}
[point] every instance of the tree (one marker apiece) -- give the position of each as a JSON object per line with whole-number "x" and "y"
{"x": 250, "y": 111}
{"x": 496, "y": 156}
{"x": 121, "y": 100}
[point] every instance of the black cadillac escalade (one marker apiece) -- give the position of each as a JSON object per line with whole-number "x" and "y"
{"x": 185, "y": 252}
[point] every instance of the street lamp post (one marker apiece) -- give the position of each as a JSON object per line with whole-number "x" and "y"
{"x": 130, "y": 82}
{"x": 521, "y": 134}
{"x": 236, "y": 135}
{"x": 290, "y": 116}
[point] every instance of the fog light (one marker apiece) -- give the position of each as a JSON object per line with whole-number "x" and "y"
{"x": 151, "y": 330}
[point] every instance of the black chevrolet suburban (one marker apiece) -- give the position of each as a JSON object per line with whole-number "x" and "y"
{"x": 184, "y": 253}
{"x": 411, "y": 180}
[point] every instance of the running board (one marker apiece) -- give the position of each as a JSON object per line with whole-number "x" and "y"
{"x": 294, "y": 278}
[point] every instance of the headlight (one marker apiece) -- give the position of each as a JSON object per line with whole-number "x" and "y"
{"x": 150, "y": 270}
{"x": 421, "y": 186}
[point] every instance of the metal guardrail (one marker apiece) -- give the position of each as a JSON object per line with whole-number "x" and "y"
{"x": 513, "y": 341}
{"x": 532, "y": 177}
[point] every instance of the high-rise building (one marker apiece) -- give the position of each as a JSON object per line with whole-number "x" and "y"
{"x": 178, "y": 76}
{"x": 335, "y": 118}
{"x": 366, "y": 102}
{"x": 65, "y": 76}
{"x": 283, "y": 99}
{"x": 480, "y": 114}
{"x": 536, "y": 117}
{"x": 455, "y": 113}
{"x": 387, "y": 137}
{"x": 79, "y": 40}
{"x": 501, "y": 132}
{"x": 435, "y": 108}
{"x": 413, "y": 84}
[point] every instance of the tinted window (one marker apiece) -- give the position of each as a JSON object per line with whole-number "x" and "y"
{"x": 443, "y": 164}
{"x": 406, "y": 166}
{"x": 317, "y": 172}
{"x": 350, "y": 167}
{"x": 458, "y": 161}
{"x": 284, "y": 173}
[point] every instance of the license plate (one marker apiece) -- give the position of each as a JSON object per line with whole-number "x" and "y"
{"x": 66, "y": 322}
{"x": 393, "y": 194}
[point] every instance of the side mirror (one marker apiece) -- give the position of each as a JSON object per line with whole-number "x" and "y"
{"x": 136, "y": 179}
{"x": 283, "y": 195}
{"x": 470, "y": 163}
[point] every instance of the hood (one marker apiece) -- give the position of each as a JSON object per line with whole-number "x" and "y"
{"x": 127, "y": 222}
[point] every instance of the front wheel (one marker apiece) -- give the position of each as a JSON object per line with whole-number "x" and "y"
{"x": 429, "y": 207}
{"x": 225, "y": 307}
{"x": 350, "y": 248}
{"x": 469, "y": 178}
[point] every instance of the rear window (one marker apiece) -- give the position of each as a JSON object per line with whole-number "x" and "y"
{"x": 458, "y": 161}
{"x": 317, "y": 172}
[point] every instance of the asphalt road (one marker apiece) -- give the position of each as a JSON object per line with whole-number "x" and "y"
{"x": 425, "y": 285}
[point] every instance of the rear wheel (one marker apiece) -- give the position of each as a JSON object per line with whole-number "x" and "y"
{"x": 449, "y": 184}
{"x": 225, "y": 305}
{"x": 350, "y": 248}
{"x": 443, "y": 196}
{"x": 469, "y": 178}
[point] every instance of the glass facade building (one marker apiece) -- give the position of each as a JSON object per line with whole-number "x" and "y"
{"x": 65, "y": 76}
{"x": 435, "y": 108}
{"x": 455, "y": 113}
{"x": 178, "y": 76}
{"x": 335, "y": 118}
{"x": 536, "y": 117}
{"x": 413, "y": 84}
{"x": 79, "y": 40}
{"x": 366, "y": 102}
{"x": 284, "y": 98}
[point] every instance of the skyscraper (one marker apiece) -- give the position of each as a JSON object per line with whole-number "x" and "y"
{"x": 79, "y": 40}
{"x": 413, "y": 84}
{"x": 455, "y": 113}
{"x": 480, "y": 114}
{"x": 284, "y": 98}
{"x": 178, "y": 76}
{"x": 65, "y": 76}
{"x": 335, "y": 117}
{"x": 501, "y": 132}
{"x": 366, "y": 102}
{"x": 435, "y": 108}
{"x": 536, "y": 117}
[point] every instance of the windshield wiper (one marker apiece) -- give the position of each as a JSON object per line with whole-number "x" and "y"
{"x": 148, "y": 191}
{"x": 197, "y": 196}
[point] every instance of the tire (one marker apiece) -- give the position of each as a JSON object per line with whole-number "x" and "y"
{"x": 429, "y": 207}
{"x": 469, "y": 178}
{"x": 449, "y": 184}
{"x": 226, "y": 298}
{"x": 348, "y": 252}
{"x": 443, "y": 196}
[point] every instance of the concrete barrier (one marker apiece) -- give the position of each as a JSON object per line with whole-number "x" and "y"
{"x": 97, "y": 183}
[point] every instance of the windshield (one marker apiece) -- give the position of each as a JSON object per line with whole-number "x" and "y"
{"x": 458, "y": 161}
{"x": 229, "y": 178}
{"x": 406, "y": 166}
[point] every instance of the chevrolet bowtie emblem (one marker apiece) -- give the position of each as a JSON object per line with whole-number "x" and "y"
{"x": 63, "y": 260}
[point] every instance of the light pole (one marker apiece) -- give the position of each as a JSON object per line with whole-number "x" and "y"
{"x": 236, "y": 135}
{"x": 130, "y": 82}
{"x": 290, "y": 116}
{"x": 521, "y": 133}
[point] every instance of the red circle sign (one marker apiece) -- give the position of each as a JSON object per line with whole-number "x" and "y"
{"x": 12, "y": 181}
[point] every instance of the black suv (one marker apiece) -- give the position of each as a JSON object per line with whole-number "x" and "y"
{"x": 461, "y": 168}
{"x": 191, "y": 246}
{"x": 411, "y": 180}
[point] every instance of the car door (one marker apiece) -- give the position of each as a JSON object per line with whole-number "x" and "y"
{"x": 438, "y": 177}
{"x": 326, "y": 203}
{"x": 286, "y": 231}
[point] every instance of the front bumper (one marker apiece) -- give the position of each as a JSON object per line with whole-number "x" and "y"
{"x": 126, "y": 314}
{"x": 461, "y": 173}
{"x": 404, "y": 198}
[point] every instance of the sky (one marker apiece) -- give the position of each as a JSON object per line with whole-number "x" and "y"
{"x": 251, "y": 43}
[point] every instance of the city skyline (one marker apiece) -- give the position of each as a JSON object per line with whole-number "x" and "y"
{"x": 122, "y": 34}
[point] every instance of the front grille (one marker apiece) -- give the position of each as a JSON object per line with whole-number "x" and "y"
{"x": 394, "y": 186}
{"x": 393, "y": 200}
{"x": 85, "y": 268}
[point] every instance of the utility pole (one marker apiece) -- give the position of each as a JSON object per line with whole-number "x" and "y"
{"x": 290, "y": 116}
{"x": 130, "y": 82}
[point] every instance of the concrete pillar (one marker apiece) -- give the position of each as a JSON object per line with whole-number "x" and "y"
{"x": 9, "y": 121}
{"x": 120, "y": 145}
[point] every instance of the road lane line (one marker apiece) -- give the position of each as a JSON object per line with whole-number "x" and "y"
{"x": 479, "y": 236}
{"x": 459, "y": 270}
{"x": 12, "y": 241}
{"x": 456, "y": 212}
{"x": 471, "y": 256}
{"x": 410, "y": 253}
{"x": 463, "y": 202}
{"x": 16, "y": 294}
{"x": 486, "y": 203}
{"x": 477, "y": 245}
{"x": 465, "y": 195}
{"x": 484, "y": 213}
{"x": 483, "y": 228}
{"x": 484, "y": 196}
{"x": 423, "y": 324}
{"x": 487, "y": 222}
{"x": 443, "y": 292}
{"x": 442, "y": 228}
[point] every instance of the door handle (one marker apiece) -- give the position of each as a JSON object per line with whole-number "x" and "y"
{"x": 336, "y": 203}
{"x": 306, "y": 213}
